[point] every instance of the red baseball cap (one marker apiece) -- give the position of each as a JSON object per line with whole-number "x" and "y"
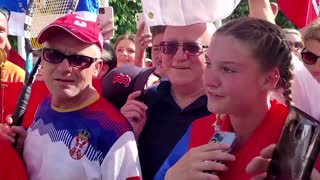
{"x": 84, "y": 30}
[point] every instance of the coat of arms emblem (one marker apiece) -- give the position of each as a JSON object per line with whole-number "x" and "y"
{"x": 79, "y": 144}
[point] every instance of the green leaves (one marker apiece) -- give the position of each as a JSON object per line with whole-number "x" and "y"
{"x": 243, "y": 10}
{"x": 124, "y": 15}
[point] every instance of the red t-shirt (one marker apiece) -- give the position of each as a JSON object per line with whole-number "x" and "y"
{"x": 267, "y": 133}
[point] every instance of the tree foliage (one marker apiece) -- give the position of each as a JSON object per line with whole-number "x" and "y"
{"x": 243, "y": 10}
{"x": 124, "y": 15}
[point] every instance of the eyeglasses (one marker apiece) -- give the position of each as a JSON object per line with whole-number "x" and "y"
{"x": 56, "y": 57}
{"x": 192, "y": 48}
{"x": 308, "y": 57}
{"x": 296, "y": 45}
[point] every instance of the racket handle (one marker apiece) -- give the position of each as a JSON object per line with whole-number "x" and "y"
{"x": 20, "y": 109}
{"x": 21, "y": 105}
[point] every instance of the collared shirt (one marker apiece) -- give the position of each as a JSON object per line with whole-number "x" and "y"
{"x": 166, "y": 124}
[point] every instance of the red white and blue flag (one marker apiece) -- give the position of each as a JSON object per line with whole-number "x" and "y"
{"x": 300, "y": 12}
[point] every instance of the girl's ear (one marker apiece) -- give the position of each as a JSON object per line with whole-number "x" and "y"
{"x": 270, "y": 80}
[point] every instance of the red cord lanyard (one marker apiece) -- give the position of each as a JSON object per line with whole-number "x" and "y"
{"x": 220, "y": 136}
{"x": 217, "y": 125}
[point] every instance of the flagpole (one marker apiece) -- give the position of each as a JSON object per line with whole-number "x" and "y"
{"x": 3, "y": 59}
{"x": 20, "y": 46}
{"x": 2, "y": 86}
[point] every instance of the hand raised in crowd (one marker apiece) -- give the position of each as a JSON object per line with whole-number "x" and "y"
{"x": 143, "y": 40}
{"x": 258, "y": 166}
{"x": 9, "y": 133}
{"x": 106, "y": 29}
{"x": 263, "y": 9}
{"x": 198, "y": 162}
{"x": 135, "y": 112}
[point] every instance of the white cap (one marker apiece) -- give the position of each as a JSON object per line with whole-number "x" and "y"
{"x": 183, "y": 12}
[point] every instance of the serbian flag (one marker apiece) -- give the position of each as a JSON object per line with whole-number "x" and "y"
{"x": 300, "y": 12}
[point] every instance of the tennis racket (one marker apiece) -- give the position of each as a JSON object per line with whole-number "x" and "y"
{"x": 40, "y": 13}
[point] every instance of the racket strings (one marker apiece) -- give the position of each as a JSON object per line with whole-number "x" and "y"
{"x": 45, "y": 12}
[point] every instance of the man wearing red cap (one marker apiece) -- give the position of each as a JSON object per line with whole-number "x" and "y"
{"x": 76, "y": 134}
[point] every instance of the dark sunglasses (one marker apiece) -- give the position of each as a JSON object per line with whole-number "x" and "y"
{"x": 296, "y": 45}
{"x": 56, "y": 57}
{"x": 308, "y": 57}
{"x": 192, "y": 48}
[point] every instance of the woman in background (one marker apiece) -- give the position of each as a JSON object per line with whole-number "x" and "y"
{"x": 125, "y": 49}
{"x": 130, "y": 48}
{"x": 311, "y": 52}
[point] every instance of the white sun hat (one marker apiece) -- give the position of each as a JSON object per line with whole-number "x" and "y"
{"x": 186, "y": 12}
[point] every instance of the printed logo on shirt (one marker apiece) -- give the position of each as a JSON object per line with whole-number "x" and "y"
{"x": 79, "y": 144}
{"x": 122, "y": 79}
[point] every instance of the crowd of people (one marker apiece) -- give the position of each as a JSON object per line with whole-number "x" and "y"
{"x": 238, "y": 80}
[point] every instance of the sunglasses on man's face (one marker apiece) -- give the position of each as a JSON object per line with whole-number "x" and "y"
{"x": 309, "y": 57}
{"x": 191, "y": 48}
{"x": 56, "y": 57}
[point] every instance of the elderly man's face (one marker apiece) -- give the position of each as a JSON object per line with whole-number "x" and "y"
{"x": 182, "y": 67}
{"x": 65, "y": 81}
{"x": 3, "y": 31}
